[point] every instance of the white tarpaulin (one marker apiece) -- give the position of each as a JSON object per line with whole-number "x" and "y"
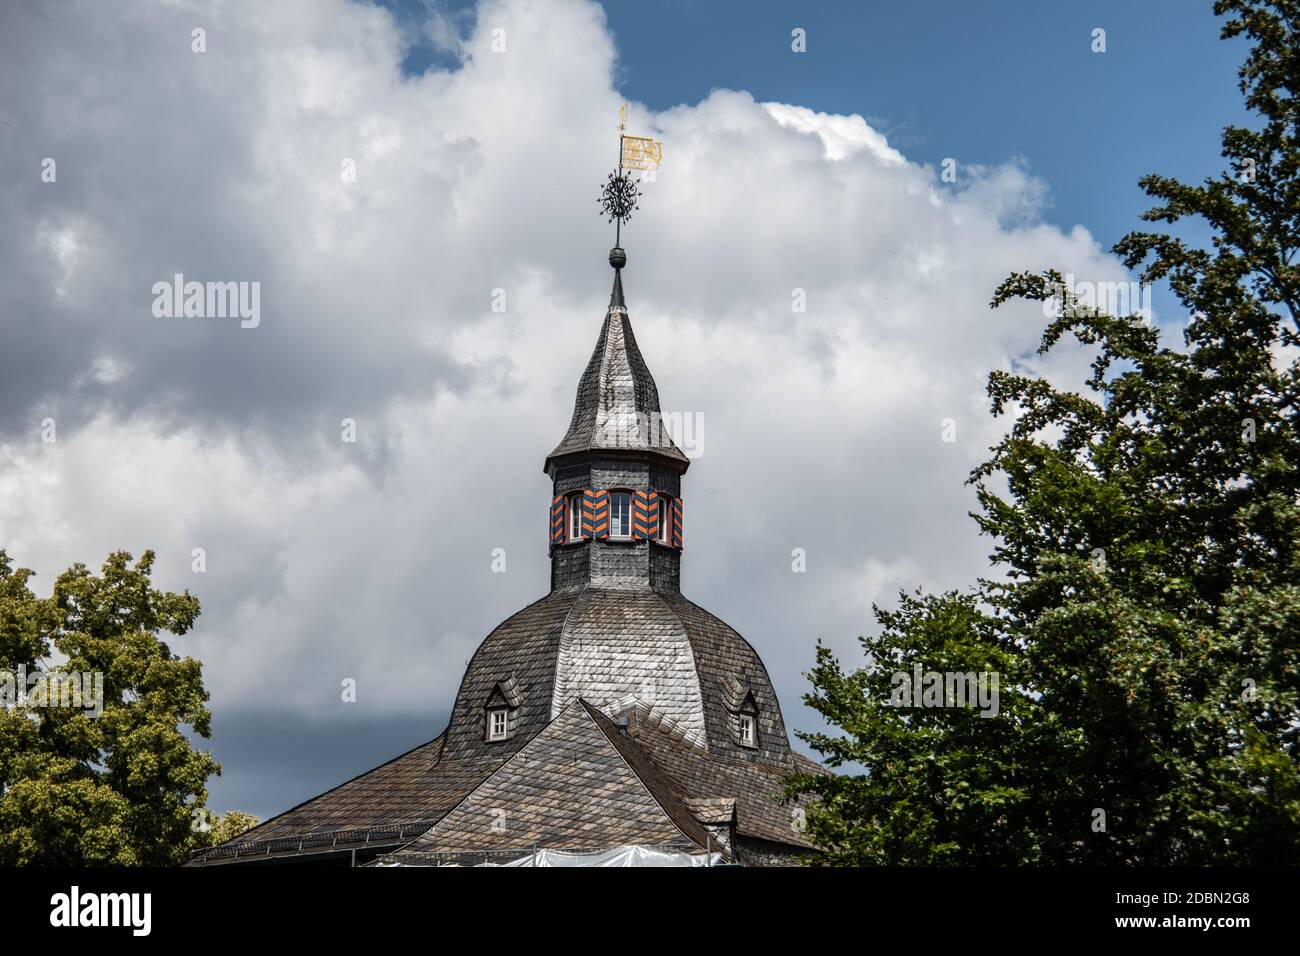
{"x": 617, "y": 856}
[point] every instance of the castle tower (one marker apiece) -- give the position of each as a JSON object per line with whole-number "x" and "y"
{"x": 617, "y": 509}
{"x": 615, "y": 629}
{"x": 612, "y": 712}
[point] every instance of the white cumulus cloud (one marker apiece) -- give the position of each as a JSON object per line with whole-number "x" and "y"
{"x": 328, "y": 560}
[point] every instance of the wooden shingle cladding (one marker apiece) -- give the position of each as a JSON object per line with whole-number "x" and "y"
{"x": 651, "y": 776}
{"x": 713, "y": 810}
{"x": 565, "y": 790}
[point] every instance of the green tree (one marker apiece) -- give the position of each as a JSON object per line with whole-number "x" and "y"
{"x": 120, "y": 787}
{"x": 1148, "y": 533}
{"x": 934, "y": 790}
{"x": 229, "y": 825}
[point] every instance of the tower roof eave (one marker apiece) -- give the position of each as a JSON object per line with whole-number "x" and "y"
{"x": 563, "y": 455}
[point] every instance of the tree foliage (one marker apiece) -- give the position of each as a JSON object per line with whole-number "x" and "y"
{"x": 229, "y": 825}
{"x": 120, "y": 787}
{"x": 1147, "y": 533}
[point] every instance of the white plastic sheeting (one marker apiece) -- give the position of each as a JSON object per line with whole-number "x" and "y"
{"x": 616, "y": 856}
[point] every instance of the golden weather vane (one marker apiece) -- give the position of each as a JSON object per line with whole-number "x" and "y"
{"x": 619, "y": 195}
{"x": 637, "y": 152}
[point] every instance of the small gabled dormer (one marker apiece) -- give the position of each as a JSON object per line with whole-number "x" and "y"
{"x": 743, "y": 708}
{"x": 501, "y": 711}
{"x": 747, "y": 722}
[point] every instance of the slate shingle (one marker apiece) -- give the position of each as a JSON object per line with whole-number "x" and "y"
{"x": 571, "y": 787}
{"x": 612, "y": 640}
{"x": 617, "y": 405}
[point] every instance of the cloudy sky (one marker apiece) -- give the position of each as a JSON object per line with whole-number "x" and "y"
{"x": 479, "y": 136}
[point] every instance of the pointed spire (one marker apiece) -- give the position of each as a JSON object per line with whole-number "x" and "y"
{"x": 616, "y": 294}
{"x": 617, "y": 408}
{"x": 617, "y": 405}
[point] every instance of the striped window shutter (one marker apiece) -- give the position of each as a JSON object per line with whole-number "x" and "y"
{"x": 643, "y": 505}
{"x": 595, "y": 514}
{"x": 557, "y": 520}
{"x": 677, "y": 522}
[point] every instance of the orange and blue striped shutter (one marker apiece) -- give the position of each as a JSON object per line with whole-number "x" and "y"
{"x": 557, "y": 520}
{"x": 642, "y": 510}
{"x": 595, "y": 514}
{"x": 677, "y": 522}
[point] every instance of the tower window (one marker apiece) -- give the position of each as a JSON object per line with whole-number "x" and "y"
{"x": 665, "y": 531}
{"x": 620, "y": 515}
{"x": 498, "y": 723}
{"x": 575, "y": 517}
{"x": 748, "y": 731}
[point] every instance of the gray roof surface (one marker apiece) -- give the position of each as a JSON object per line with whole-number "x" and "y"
{"x": 623, "y": 707}
{"x": 576, "y": 785}
{"x": 617, "y": 405}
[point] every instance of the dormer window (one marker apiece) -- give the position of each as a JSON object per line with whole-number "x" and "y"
{"x": 575, "y": 517}
{"x": 748, "y": 731}
{"x": 664, "y": 529}
{"x": 498, "y": 723}
{"x": 501, "y": 710}
{"x": 744, "y": 707}
{"x": 620, "y": 514}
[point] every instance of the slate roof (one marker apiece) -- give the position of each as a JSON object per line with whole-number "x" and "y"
{"x": 757, "y": 786}
{"x": 523, "y": 648}
{"x": 618, "y": 646}
{"x": 384, "y": 806}
{"x": 722, "y": 654}
{"x": 523, "y": 656}
{"x": 579, "y": 784}
{"x": 623, "y": 704}
{"x": 617, "y": 405}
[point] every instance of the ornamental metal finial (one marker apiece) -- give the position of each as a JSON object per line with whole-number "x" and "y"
{"x": 620, "y": 194}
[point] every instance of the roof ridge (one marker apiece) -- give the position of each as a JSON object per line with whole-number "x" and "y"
{"x": 559, "y": 649}
{"x": 478, "y": 786}
{"x": 695, "y": 668}
{"x": 619, "y": 742}
{"x": 579, "y": 705}
{"x": 756, "y": 672}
